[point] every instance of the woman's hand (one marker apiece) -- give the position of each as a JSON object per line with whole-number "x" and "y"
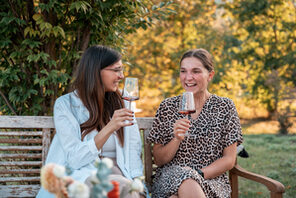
{"x": 121, "y": 118}
{"x": 180, "y": 128}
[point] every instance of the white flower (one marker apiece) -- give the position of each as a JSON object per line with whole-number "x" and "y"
{"x": 108, "y": 162}
{"x": 59, "y": 171}
{"x": 97, "y": 161}
{"x": 78, "y": 190}
{"x": 137, "y": 185}
{"x": 93, "y": 177}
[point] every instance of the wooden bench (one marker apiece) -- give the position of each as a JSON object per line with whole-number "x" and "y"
{"x": 24, "y": 144}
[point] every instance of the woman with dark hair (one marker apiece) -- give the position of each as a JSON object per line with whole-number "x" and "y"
{"x": 195, "y": 165}
{"x": 91, "y": 122}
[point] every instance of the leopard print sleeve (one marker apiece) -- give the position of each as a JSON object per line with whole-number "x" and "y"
{"x": 161, "y": 131}
{"x": 233, "y": 131}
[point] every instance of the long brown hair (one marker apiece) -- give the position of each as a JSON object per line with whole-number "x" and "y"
{"x": 89, "y": 86}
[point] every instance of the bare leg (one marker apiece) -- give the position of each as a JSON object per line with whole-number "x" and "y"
{"x": 173, "y": 196}
{"x": 190, "y": 189}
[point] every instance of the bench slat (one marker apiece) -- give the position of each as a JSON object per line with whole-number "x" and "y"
{"x": 20, "y": 141}
{"x": 21, "y": 133}
{"x": 20, "y": 148}
{"x": 23, "y": 122}
{"x": 19, "y": 179}
{"x": 20, "y": 156}
{"x": 21, "y": 163}
{"x": 20, "y": 190}
{"x": 19, "y": 171}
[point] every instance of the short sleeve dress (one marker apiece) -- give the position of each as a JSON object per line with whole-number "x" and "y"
{"x": 216, "y": 128}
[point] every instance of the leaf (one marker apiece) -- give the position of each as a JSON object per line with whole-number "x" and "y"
{"x": 83, "y": 5}
{"x": 27, "y": 29}
{"x": 37, "y": 17}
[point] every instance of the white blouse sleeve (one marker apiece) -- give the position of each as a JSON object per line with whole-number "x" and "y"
{"x": 78, "y": 153}
{"x": 135, "y": 151}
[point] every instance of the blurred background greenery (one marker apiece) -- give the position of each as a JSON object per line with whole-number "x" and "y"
{"x": 252, "y": 42}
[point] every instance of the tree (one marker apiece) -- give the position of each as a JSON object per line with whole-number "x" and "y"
{"x": 157, "y": 51}
{"x": 265, "y": 36}
{"x": 41, "y": 43}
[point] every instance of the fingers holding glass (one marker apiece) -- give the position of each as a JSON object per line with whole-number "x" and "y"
{"x": 121, "y": 118}
{"x": 130, "y": 91}
{"x": 180, "y": 128}
{"x": 187, "y": 105}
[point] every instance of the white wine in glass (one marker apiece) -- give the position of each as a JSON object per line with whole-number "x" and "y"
{"x": 187, "y": 106}
{"x": 130, "y": 91}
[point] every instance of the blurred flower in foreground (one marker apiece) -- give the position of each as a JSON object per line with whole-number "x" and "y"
{"x": 134, "y": 186}
{"x": 78, "y": 190}
{"x": 100, "y": 182}
{"x": 115, "y": 192}
{"x": 53, "y": 179}
{"x": 137, "y": 185}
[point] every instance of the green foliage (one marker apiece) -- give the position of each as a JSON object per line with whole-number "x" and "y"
{"x": 156, "y": 53}
{"x": 41, "y": 43}
{"x": 265, "y": 31}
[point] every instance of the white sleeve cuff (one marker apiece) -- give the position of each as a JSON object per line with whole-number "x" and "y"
{"x": 92, "y": 147}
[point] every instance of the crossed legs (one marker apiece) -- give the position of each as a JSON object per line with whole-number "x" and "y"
{"x": 189, "y": 189}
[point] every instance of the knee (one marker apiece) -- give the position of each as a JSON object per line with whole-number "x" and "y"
{"x": 190, "y": 188}
{"x": 189, "y": 184}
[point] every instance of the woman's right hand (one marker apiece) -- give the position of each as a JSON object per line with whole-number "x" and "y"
{"x": 121, "y": 118}
{"x": 180, "y": 128}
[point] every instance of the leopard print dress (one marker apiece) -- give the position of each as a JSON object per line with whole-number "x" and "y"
{"x": 216, "y": 128}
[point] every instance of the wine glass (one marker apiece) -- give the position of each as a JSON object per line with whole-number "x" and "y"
{"x": 187, "y": 106}
{"x": 130, "y": 90}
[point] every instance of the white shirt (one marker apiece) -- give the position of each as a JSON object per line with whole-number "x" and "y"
{"x": 67, "y": 149}
{"x": 109, "y": 148}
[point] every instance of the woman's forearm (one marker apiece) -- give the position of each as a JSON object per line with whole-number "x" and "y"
{"x": 102, "y": 136}
{"x": 164, "y": 154}
{"x": 218, "y": 167}
{"x": 223, "y": 164}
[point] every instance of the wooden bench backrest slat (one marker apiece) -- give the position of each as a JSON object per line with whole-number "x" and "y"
{"x": 21, "y": 163}
{"x": 19, "y": 190}
{"x": 26, "y": 122}
{"x": 20, "y": 148}
{"x": 19, "y": 171}
{"x": 20, "y": 141}
{"x": 21, "y": 133}
{"x": 20, "y": 179}
{"x": 20, "y": 156}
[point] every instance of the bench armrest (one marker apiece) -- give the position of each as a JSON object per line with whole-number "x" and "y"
{"x": 276, "y": 188}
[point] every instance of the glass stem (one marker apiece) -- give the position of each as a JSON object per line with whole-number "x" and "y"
{"x": 130, "y": 105}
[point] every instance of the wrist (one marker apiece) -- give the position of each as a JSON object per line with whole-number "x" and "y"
{"x": 176, "y": 140}
{"x": 201, "y": 173}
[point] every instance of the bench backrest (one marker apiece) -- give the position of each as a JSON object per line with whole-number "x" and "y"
{"x": 24, "y": 144}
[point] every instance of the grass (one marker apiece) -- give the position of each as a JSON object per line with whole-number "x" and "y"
{"x": 273, "y": 156}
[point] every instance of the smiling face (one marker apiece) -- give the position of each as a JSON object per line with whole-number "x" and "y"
{"x": 194, "y": 76}
{"x": 111, "y": 76}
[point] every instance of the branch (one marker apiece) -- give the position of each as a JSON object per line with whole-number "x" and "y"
{"x": 85, "y": 39}
{"x": 7, "y": 102}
